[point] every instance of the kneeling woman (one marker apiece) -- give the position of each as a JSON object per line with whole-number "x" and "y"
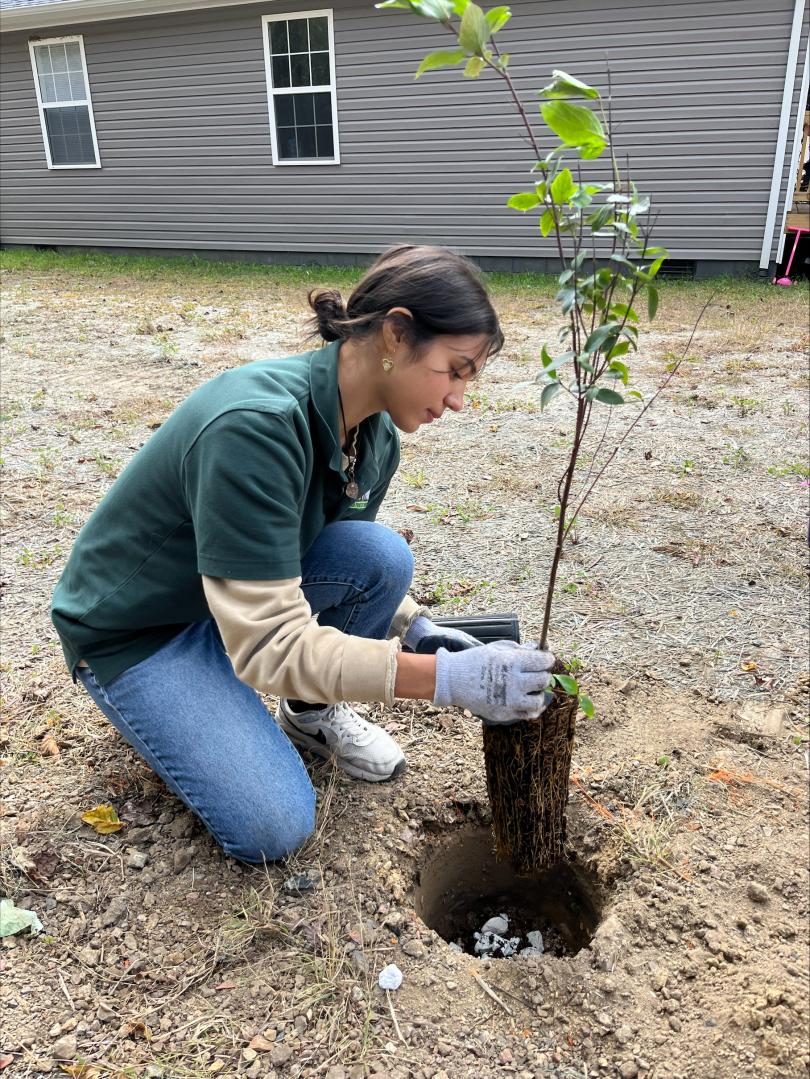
{"x": 238, "y": 551}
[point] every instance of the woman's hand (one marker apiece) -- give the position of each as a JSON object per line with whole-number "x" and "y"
{"x": 502, "y": 682}
{"x": 426, "y": 638}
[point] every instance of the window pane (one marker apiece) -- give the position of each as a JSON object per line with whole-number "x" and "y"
{"x": 62, "y": 88}
{"x": 323, "y": 108}
{"x": 278, "y": 37}
{"x": 47, "y": 89}
{"x": 299, "y": 70}
{"x": 59, "y": 58}
{"x": 285, "y": 140}
{"x": 43, "y": 58}
{"x": 69, "y": 136}
{"x": 299, "y": 38}
{"x": 306, "y": 142}
{"x": 281, "y": 71}
{"x": 285, "y": 113}
{"x": 76, "y": 86}
{"x": 304, "y": 109}
{"x": 74, "y": 57}
{"x": 319, "y": 33}
{"x": 326, "y": 144}
{"x": 320, "y": 68}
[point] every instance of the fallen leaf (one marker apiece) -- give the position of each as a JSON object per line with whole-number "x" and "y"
{"x": 749, "y": 665}
{"x": 261, "y": 1044}
{"x": 417, "y": 509}
{"x": 137, "y": 1029}
{"x": 217, "y": 1066}
{"x": 104, "y": 819}
{"x": 5, "y": 1060}
{"x": 48, "y": 746}
{"x": 15, "y": 919}
{"x": 225, "y": 985}
{"x": 80, "y": 1071}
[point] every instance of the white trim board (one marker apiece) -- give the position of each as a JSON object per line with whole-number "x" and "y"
{"x": 66, "y": 12}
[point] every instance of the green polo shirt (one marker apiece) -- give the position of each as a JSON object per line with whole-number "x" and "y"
{"x": 237, "y": 483}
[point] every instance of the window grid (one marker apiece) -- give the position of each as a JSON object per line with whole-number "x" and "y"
{"x": 63, "y": 98}
{"x": 299, "y": 58}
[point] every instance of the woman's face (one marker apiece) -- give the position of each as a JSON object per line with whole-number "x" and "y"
{"x": 421, "y": 391}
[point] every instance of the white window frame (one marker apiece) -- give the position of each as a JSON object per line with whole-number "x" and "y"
{"x": 42, "y": 106}
{"x": 272, "y": 91}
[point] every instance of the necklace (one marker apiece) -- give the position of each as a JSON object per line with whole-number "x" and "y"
{"x": 351, "y": 488}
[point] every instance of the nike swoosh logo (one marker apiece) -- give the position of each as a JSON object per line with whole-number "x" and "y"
{"x": 318, "y": 736}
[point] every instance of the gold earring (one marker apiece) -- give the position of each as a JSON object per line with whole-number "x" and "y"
{"x": 387, "y": 363}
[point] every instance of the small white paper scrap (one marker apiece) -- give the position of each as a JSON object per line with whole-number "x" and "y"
{"x": 390, "y": 977}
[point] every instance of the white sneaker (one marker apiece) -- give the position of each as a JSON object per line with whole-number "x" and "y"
{"x": 359, "y": 748}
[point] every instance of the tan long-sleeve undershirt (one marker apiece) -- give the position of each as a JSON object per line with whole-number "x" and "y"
{"x": 277, "y": 646}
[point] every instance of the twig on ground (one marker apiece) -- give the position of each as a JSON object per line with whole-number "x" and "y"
{"x": 65, "y": 991}
{"x": 490, "y": 992}
{"x": 394, "y": 1017}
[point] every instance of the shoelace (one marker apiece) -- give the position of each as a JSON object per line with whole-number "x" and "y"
{"x": 349, "y": 721}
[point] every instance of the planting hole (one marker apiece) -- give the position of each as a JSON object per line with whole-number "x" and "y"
{"x": 461, "y": 887}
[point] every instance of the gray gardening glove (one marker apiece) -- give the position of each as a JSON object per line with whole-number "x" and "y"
{"x": 426, "y": 638}
{"x": 502, "y": 682}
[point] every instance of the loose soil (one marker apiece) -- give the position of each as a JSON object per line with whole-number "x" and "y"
{"x": 682, "y": 603}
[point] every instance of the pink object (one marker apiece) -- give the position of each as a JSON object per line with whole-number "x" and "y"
{"x": 786, "y": 280}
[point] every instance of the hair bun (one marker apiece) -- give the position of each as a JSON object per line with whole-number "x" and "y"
{"x": 330, "y": 313}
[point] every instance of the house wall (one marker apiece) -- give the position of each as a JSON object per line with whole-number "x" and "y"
{"x": 181, "y": 116}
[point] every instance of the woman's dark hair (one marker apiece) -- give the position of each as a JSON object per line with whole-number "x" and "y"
{"x": 443, "y": 291}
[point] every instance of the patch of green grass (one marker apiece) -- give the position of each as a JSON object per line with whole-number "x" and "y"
{"x": 452, "y": 591}
{"x": 468, "y": 510}
{"x": 737, "y": 457}
{"x": 791, "y": 468}
{"x": 746, "y": 405}
{"x": 38, "y": 559}
{"x": 416, "y": 479}
{"x": 109, "y": 466}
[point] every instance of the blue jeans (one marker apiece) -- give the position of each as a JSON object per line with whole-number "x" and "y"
{"x": 209, "y": 736}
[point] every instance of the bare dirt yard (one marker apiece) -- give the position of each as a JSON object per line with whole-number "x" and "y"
{"x": 682, "y": 607}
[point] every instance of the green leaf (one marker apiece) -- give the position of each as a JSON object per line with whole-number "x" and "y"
{"x": 474, "y": 31}
{"x": 624, "y": 310}
{"x": 563, "y": 187}
{"x": 525, "y": 200}
{"x": 608, "y": 397}
{"x": 548, "y": 394}
{"x": 440, "y": 58}
{"x": 503, "y": 61}
{"x": 547, "y": 222}
{"x": 566, "y": 298}
{"x": 576, "y": 125}
{"x": 498, "y": 17}
{"x": 619, "y": 370}
{"x": 635, "y": 393}
{"x": 563, "y": 85}
{"x": 622, "y": 260}
{"x": 440, "y": 10}
{"x": 600, "y": 217}
{"x": 655, "y": 266}
{"x": 460, "y": 6}
{"x": 652, "y": 301}
{"x": 550, "y": 366}
{"x": 396, "y": 3}
{"x": 600, "y": 335}
{"x": 567, "y": 683}
{"x": 586, "y": 704}
{"x": 621, "y": 349}
{"x": 475, "y": 65}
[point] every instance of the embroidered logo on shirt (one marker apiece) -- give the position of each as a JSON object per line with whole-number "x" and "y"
{"x": 361, "y": 502}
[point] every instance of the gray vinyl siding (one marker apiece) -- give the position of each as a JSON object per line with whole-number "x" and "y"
{"x": 181, "y": 115}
